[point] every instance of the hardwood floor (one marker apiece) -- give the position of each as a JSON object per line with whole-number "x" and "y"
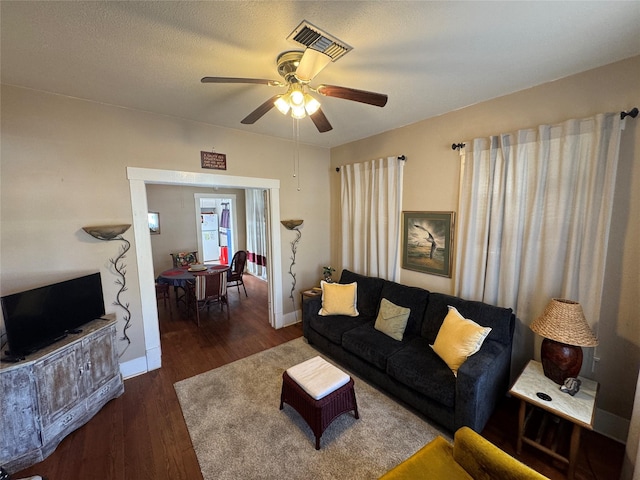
{"x": 142, "y": 434}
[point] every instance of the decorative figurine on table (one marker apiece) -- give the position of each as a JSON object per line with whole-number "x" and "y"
{"x": 571, "y": 386}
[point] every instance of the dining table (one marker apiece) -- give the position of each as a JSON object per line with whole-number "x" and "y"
{"x": 178, "y": 277}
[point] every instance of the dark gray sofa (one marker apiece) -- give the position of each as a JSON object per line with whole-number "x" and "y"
{"x": 409, "y": 369}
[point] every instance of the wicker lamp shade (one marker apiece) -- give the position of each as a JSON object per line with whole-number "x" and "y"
{"x": 565, "y": 331}
{"x": 563, "y": 321}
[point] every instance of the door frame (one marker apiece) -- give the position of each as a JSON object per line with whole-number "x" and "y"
{"x": 138, "y": 179}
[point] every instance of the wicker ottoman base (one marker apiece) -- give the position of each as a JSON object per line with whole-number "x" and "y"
{"x": 318, "y": 413}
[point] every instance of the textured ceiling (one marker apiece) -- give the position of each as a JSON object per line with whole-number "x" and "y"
{"x": 429, "y": 57}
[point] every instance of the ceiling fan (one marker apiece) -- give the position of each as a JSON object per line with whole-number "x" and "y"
{"x": 298, "y": 68}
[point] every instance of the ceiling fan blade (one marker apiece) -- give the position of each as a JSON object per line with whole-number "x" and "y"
{"x": 362, "y": 96}
{"x": 311, "y": 64}
{"x": 320, "y": 121}
{"x": 259, "y": 81}
{"x": 254, "y": 116}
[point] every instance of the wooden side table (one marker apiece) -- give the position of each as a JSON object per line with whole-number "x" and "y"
{"x": 578, "y": 410}
{"x": 311, "y": 293}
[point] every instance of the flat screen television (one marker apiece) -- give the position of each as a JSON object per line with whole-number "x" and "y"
{"x": 39, "y": 317}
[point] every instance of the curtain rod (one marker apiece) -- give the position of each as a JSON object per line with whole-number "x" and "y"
{"x": 400, "y": 157}
{"x": 633, "y": 113}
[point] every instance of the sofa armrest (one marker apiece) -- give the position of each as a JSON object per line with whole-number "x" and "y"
{"x": 310, "y": 308}
{"x": 482, "y": 460}
{"x": 482, "y": 381}
{"x": 431, "y": 462}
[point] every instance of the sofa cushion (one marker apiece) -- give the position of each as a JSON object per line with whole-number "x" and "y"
{"x": 339, "y": 299}
{"x": 318, "y": 377}
{"x": 371, "y": 345}
{"x": 413, "y": 298}
{"x": 369, "y": 289}
{"x": 499, "y": 319}
{"x": 333, "y": 327}
{"x": 418, "y": 367}
{"x": 392, "y": 319}
{"x": 458, "y": 339}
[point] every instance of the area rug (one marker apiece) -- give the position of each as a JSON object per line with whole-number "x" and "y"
{"x": 239, "y": 432}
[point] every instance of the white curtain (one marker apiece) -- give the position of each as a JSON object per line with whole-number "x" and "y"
{"x": 371, "y": 207}
{"x": 534, "y": 218}
{"x": 256, "y": 233}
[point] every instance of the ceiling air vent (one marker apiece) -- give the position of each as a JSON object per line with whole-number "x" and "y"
{"x": 310, "y": 36}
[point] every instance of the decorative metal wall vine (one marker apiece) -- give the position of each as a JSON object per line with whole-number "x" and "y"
{"x": 122, "y": 281}
{"x": 110, "y": 233}
{"x": 294, "y": 249}
{"x": 293, "y": 225}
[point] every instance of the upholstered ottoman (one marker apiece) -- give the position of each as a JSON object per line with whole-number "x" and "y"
{"x": 319, "y": 392}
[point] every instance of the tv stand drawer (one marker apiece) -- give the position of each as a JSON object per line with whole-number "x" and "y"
{"x": 66, "y": 423}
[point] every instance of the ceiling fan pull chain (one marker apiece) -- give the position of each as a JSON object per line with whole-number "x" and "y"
{"x": 293, "y": 136}
{"x": 296, "y": 155}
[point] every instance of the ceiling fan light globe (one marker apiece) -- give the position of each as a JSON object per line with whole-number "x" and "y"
{"x": 282, "y": 105}
{"x": 296, "y": 98}
{"x": 298, "y": 112}
{"x": 311, "y": 105}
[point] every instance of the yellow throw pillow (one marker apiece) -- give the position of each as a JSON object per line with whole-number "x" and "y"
{"x": 339, "y": 299}
{"x": 458, "y": 339}
{"x": 392, "y": 319}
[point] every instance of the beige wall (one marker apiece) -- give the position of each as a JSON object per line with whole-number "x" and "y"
{"x": 431, "y": 183}
{"x": 176, "y": 206}
{"x": 64, "y": 166}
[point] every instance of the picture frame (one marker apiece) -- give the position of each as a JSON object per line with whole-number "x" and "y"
{"x": 154, "y": 223}
{"x": 427, "y": 242}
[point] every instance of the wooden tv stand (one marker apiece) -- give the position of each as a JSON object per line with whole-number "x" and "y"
{"x": 55, "y": 391}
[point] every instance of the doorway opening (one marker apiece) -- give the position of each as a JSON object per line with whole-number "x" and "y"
{"x": 216, "y": 227}
{"x": 138, "y": 179}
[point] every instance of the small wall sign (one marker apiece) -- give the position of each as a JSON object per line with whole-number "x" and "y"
{"x": 216, "y": 161}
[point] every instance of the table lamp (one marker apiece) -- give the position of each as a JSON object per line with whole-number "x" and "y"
{"x": 565, "y": 331}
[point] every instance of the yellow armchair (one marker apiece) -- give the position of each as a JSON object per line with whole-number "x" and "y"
{"x": 471, "y": 457}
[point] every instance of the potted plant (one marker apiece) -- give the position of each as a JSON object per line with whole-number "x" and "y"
{"x": 326, "y": 273}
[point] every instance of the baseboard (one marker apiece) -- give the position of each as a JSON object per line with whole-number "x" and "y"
{"x": 610, "y": 425}
{"x": 141, "y": 365}
{"x": 134, "y": 367}
{"x": 154, "y": 358}
{"x": 292, "y": 318}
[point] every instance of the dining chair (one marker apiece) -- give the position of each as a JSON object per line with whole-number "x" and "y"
{"x": 234, "y": 277}
{"x": 209, "y": 288}
{"x": 184, "y": 259}
{"x": 162, "y": 293}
